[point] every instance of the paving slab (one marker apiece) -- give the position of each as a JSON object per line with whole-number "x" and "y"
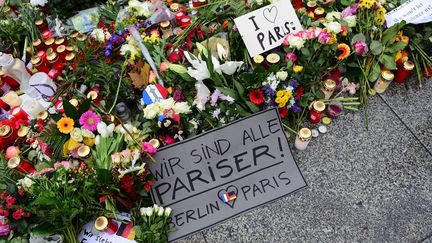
{"x": 414, "y": 106}
{"x": 364, "y": 186}
{"x": 195, "y": 238}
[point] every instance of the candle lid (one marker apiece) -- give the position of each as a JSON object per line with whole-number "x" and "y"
{"x": 175, "y": 7}
{"x": 74, "y": 102}
{"x": 83, "y": 151}
{"x": 305, "y": 134}
{"x": 35, "y": 60}
{"x": 13, "y": 162}
{"x": 408, "y": 65}
{"x": 81, "y": 37}
{"x": 311, "y": 4}
{"x": 326, "y": 120}
{"x": 23, "y": 131}
{"x": 5, "y": 130}
{"x": 42, "y": 115}
{"x": 387, "y": 75}
{"x": 273, "y": 58}
{"x": 59, "y": 41}
{"x": 258, "y": 59}
{"x": 101, "y": 223}
{"x": 185, "y": 19}
{"x": 92, "y": 95}
{"x": 70, "y": 47}
{"x": 70, "y": 56}
{"x": 329, "y": 84}
{"x": 52, "y": 56}
{"x": 319, "y": 106}
{"x": 61, "y": 48}
{"x": 154, "y": 142}
{"x": 49, "y": 51}
{"x": 39, "y": 22}
{"x": 319, "y": 11}
{"x": 37, "y": 42}
{"x": 165, "y": 24}
{"x": 202, "y": 1}
{"x": 49, "y": 41}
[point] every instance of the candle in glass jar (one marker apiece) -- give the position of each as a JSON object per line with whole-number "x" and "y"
{"x": 33, "y": 108}
{"x": 185, "y": 22}
{"x": 179, "y": 16}
{"x": 5, "y": 131}
{"x": 303, "y": 138}
{"x": 103, "y": 224}
{"x": 175, "y": 7}
{"x": 20, "y": 165}
{"x": 19, "y": 113}
{"x": 195, "y": 3}
{"x": 55, "y": 61}
{"x": 328, "y": 88}
{"x": 38, "y": 44}
{"x": 316, "y": 111}
{"x": 41, "y": 25}
{"x": 319, "y": 13}
{"x": 404, "y": 72}
{"x": 60, "y": 41}
{"x": 335, "y": 109}
{"x": 12, "y": 99}
{"x": 383, "y": 81}
{"x": 39, "y": 64}
{"x": 61, "y": 52}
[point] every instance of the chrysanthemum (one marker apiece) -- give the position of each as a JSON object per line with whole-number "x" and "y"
{"x": 343, "y": 51}
{"x": 65, "y": 125}
{"x": 89, "y": 120}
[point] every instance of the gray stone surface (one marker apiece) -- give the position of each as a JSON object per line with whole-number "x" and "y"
{"x": 195, "y": 238}
{"x": 413, "y": 105}
{"x": 364, "y": 186}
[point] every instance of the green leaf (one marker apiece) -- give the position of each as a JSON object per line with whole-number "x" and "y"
{"x": 239, "y": 87}
{"x": 305, "y": 52}
{"x": 388, "y": 62}
{"x": 70, "y": 110}
{"x": 186, "y": 77}
{"x": 395, "y": 47}
{"x": 252, "y": 106}
{"x": 241, "y": 110}
{"x": 229, "y": 92}
{"x": 85, "y": 105}
{"x": 389, "y": 34}
{"x": 347, "y": 2}
{"x": 104, "y": 176}
{"x": 376, "y": 47}
{"x": 374, "y": 74}
{"x": 358, "y": 37}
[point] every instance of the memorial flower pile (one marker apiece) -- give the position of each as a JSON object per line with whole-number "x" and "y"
{"x": 91, "y": 90}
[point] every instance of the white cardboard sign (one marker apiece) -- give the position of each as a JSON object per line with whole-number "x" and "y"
{"x": 265, "y": 28}
{"x": 412, "y": 11}
{"x": 87, "y": 236}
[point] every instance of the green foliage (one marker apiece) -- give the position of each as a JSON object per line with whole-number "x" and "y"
{"x": 53, "y": 137}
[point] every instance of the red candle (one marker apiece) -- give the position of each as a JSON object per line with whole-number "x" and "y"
{"x": 39, "y": 64}
{"x": 53, "y": 74}
{"x": 41, "y": 25}
{"x": 179, "y": 16}
{"x": 12, "y": 82}
{"x": 55, "y": 61}
{"x": 316, "y": 111}
{"x": 47, "y": 34}
{"x": 4, "y": 105}
{"x": 185, "y": 21}
{"x": 21, "y": 165}
{"x": 106, "y": 225}
{"x": 404, "y": 72}
{"x": 42, "y": 55}
{"x": 19, "y": 113}
{"x": 195, "y": 3}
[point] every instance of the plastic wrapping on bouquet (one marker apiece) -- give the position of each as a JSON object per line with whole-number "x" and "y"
{"x": 122, "y": 111}
{"x": 20, "y": 165}
{"x": 403, "y": 73}
{"x": 103, "y": 224}
{"x": 33, "y": 108}
{"x": 303, "y": 138}
{"x": 43, "y": 85}
{"x": 316, "y": 111}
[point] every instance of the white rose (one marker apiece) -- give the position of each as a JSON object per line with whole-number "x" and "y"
{"x": 26, "y": 183}
{"x": 38, "y": 2}
{"x": 296, "y": 42}
{"x": 152, "y": 111}
{"x": 76, "y": 135}
{"x": 334, "y": 27}
{"x": 282, "y": 75}
{"x": 98, "y": 35}
{"x": 351, "y": 20}
{"x": 86, "y": 133}
{"x": 333, "y": 16}
{"x": 166, "y": 104}
{"x": 182, "y": 107}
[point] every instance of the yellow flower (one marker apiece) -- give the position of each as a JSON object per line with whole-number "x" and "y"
{"x": 380, "y": 15}
{"x": 281, "y": 105}
{"x": 70, "y": 144}
{"x": 65, "y": 125}
{"x": 89, "y": 141}
{"x": 278, "y": 100}
{"x": 333, "y": 39}
{"x": 368, "y": 4}
{"x": 297, "y": 68}
{"x": 280, "y": 93}
{"x": 288, "y": 95}
{"x": 343, "y": 51}
{"x": 405, "y": 39}
{"x": 398, "y": 36}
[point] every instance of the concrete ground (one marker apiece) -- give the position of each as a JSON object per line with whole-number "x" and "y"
{"x": 370, "y": 185}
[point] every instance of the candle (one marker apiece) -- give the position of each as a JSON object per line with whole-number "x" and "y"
{"x": 103, "y": 224}
{"x": 185, "y": 22}
{"x": 384, "y": 81}
{"x": 303, "y": 138}
{"x": 12, "y": 99}
{"x": 179, "y": 16}
{"x": 20, "y": 165}
{"x": 43, "y": 84}
{"x": 335, "y": 109}
{"x": 404, "y": 72}
{"x": 19, "y": 113}
{"x": 33, "y": 108}
{"x": 316, "y": 111}
{"x": 39, "y": 64}
{"x": 328, "y": 88}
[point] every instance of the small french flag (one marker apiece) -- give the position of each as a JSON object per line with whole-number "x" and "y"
{"x": 153, "y": 93}
{"x": 229, "y": 196}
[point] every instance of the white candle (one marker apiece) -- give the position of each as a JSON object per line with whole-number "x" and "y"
{"x": 303, "y": 138}
{"x": 12, "y": 99}
{"x": 33, "y": 108}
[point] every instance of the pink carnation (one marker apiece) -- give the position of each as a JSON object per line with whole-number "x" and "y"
{"x": 147, "y": 147}
{"x": 89, "y": 120}
{"x": 43, "y": 171}
{"x": 324, "y": 37}
{"x": 66, "y": 164}
{"x": 360, "y": 47}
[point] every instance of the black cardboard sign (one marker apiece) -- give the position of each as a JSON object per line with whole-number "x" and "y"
{"x": 250, "y": 158}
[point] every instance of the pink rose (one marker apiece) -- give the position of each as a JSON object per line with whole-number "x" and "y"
{"x": 360, "y": 47}
{"x": 290, "y": 57}
{"x": 324, "y": 37}
{"x": 147, "y": 147}
{"x": 164, "y": 66}
{"x": 12, "y": 151}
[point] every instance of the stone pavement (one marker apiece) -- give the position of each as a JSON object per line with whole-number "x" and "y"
{"x": 370, "y": 185}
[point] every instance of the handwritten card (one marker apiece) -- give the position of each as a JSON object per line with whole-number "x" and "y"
{"x": 412, "y": 11}
{"x": 265, "y": 28}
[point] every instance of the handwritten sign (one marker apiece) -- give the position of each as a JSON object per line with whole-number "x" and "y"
{"x": 224, "y": 172}
{"x": 125, "y": 231}
{"x": 265, "y": 28}
{"x": 412, "y": 11}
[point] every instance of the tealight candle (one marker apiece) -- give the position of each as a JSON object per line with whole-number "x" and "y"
{"x": 12, "y": 99}
{"x": 33, "y": 108}
{"x": 20, "y": 165}
{"x": 303, "y": 138}
{"x": 185, "y": 21}
{"x": 103, "y": 224}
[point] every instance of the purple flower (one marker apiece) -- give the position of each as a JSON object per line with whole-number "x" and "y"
{"x": 360, "y": 47}
{"x": 293, "y": 83}
{"x": 272, "y": 103}
{"x": 268, "y": 90}
{"x": 214, "y": 97}
{"x": 351, "y": 10}
{"x": 295, "y": 108}
{"x": 178, "y": 96}
{"x": 324, "y": 37}
{"x": 89, "y": 120}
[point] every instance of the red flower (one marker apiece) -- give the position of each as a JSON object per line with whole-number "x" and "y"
{"x": 174, "y": 57}
{"x": 26, "y": 215}
{"x": 4, "y": 213}
{"x": 297, "y": 3}
{"x": 256, "y": 96}
{"x": 20, "y": 191}
{"x": 299, "y": 93}
{"x": 40, "y": 124}
{"x": 128, "y": 185}
{"x": 17, "y": 215}
{"x": 148, "y": 185}
{"x": 3, "y": 195}
{"x": 10, "y": 201}
{"x": 283, "y": 112}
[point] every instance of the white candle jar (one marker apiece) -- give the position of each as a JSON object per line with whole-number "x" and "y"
{"x": 303, "y": 138}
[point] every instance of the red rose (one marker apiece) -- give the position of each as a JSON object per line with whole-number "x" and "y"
{"x": 20, "y": 191}
{"x": 148, "y": 185}
{"x": 10, "y": 201}
{"x": 299, "y": 93}
{"x": 297, "y": 3}
{"x": 174, "y": 57}
{"x": 283, "y": 112}
{"x": 256, "y": 96}
{"x": 17, "y": 215}
{"x": 3, "y": 195}
{"x": 4, "y": 213}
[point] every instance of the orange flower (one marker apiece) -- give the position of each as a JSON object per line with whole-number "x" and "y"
{"x": 343, "y": 51}
{"x": 65, "y": 125}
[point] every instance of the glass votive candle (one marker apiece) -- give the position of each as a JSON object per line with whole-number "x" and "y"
{"x": 185, "y": 21}
{"x": 303, "y": 138}
{"x": 20, "y": 165}
{"x": 12, "y": 99}
{"x": 103, "y": 224}
{"x": 335, "y": 109}
{"x": 19, "y": 113}
{"x": 33, "y": 108}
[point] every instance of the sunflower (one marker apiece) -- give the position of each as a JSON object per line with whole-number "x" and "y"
{"x": 368, "y": 4}
{"x": 65, "y": 125}
{"x": 380, "y": 15}
{"x": 343, "y": 51}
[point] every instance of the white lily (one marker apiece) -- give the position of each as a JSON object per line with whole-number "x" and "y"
{"x": 222, "y": 53}
{"x": 104, "y": 130}
{"x": 203, "y": 94}
{"x": 230, "y": 67}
